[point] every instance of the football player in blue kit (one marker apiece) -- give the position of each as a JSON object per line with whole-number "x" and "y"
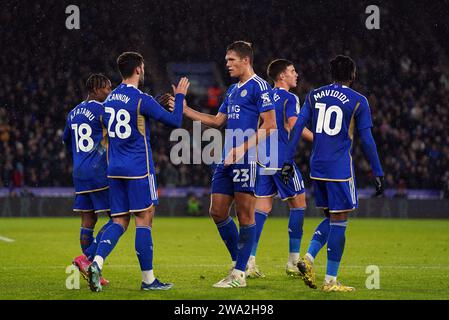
{"x": 334, "y": 112}
{"x": 284, "y": 76}
{"x": 86, "y": 140}
{"x": 131, "y": 173}
{"x": 248, "y": 108}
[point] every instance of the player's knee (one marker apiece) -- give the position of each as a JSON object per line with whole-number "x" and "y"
{"x": 339, "y": 217}
{"x": 264, "y": 208}
{"x": 217, "y": 215}
{"x": 298, "y": 202}
{"x": 89, "y": 219}
{"x": 245, "y": 217}
{"x": 123, "y": 221}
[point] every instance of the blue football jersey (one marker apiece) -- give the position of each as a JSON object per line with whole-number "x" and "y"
{"x": 287, "y": 105}
{"x": 243, "y": 105}
{"x": 127, "y": 117}
{"x": 85, "y": 136}
{"x": 334, "y": 111}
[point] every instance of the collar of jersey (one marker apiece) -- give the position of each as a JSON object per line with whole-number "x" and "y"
{"x": 241, "y": 85}
{"x": 336, "y": 84}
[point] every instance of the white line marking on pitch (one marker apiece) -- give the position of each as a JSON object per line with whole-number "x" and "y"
{"x": 6, "y": 239}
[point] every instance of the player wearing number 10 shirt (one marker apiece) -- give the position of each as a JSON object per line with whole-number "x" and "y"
{"x": 335, "y": 112}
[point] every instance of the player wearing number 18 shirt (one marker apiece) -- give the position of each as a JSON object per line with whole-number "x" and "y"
{"x": 335, "y": 112}
{"x": 85, "y": 138}
{"x": 131, "y": 173}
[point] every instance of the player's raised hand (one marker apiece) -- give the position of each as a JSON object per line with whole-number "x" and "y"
{"x": 166, "y": 100}
{"x": 182, "y": 87}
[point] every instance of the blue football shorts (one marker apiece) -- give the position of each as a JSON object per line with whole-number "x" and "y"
{"x": 234, "y": 178}
{"x": 132, "y": 195}
{"x": 337, "y": 196}
{"x": 97, "y": 201}
{"x": 270, "y": 185}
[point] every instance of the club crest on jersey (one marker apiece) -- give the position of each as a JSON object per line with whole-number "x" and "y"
{"x": 243, "y": 93}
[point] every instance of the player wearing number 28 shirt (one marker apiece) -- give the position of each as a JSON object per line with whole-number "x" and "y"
{"x": 132, "y": 178}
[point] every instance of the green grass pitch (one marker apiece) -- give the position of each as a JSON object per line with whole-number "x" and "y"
{"x": 412, "y": 256}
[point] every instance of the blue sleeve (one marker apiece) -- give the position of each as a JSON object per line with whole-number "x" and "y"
{"x": 152, "y": 109}
{"x": 67, "y": 136}
{"x": 264, "y": 98}
{"x": 370, "y": 151}
{"x": 363, "y": 115}
{"x": 303, "y": 118}
{"x": 292, "y": 106}
{"x": 224, "y": 105}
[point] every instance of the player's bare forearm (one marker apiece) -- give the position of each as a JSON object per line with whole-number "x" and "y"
{"x": 267, "y": 127}
{"x": 307, "y": 135}
{"x": 207, "y": 119}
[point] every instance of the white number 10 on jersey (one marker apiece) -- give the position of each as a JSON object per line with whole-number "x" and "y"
{"x": 324, "y": 119}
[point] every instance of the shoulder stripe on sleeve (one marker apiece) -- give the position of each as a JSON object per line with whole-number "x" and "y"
{"x": 264, "y": 85}
{"x": 259, "y": 83}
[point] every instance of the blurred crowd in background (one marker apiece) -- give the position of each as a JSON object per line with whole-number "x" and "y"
{"x": 403, "y": 69}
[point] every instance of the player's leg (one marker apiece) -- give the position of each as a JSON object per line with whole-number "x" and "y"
{"x": 297, "y": 206}
{"x": 262, "y": 210}
{"x": 242, "y": 179}
{"x": 84, "y": 206}
{"x": 244, "y": 206}
{"x": 294, "y": 193}
{"x": 88, "y": 221}
{"x": 305, "y": 265}
{"x": 265, "y": 191}
{"x": 120, "y": 220}
{"x": 221, "y": 201}
{"x": 100, "y": 200}
{"x": 142, "y": 195}
{"x": 342, "y": 199}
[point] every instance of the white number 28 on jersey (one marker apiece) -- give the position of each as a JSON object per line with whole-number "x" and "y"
{"x": 122, "y": 128}
{"x": 324, "y": 119}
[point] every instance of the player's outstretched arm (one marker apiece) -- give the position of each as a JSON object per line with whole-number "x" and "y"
{"x": 209, "y": 120}
{"x": 370, "y": 150}
{"x": 151, "y": 108}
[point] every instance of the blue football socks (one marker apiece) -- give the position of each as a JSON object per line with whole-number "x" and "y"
{"x": 230, "y": 235}
{"x": 245, "y": 245}
{"x": 335, "y": 246}
{"x": 260, "y": 217}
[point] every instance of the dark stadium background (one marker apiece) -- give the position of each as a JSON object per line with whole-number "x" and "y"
{"x": 403, "y": 69}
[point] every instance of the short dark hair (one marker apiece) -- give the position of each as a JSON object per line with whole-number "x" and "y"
{"x": 276, "y": 67}
{"x": 127, "y": 62}
{"x": 96, "y": 81}
{"x": 243, "y": 49}
{"x": 342, "y": 68}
